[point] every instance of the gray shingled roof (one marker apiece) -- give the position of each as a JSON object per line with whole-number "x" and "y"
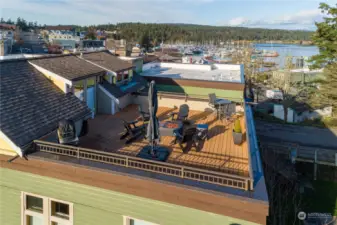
{"x": 31, "y": 105}
{"x": 69, "y": 66}
{"x": 107, "y": 61}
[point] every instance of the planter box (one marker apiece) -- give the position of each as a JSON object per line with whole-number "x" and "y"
{"x": 237, "y": 138}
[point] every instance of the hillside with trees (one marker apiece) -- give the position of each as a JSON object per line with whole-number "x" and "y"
{"x": 201, "y": 34}
{"x": 156, "y": 33}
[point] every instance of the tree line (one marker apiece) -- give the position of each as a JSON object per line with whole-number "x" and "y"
{"x": 22, "y": 23}
{"x": 183, "y": 33}
{"x": 201, "y": 34}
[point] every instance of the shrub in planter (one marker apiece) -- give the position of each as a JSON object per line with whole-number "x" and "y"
{"x": 237, "y": 132}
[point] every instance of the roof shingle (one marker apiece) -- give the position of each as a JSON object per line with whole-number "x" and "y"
{"x": 31, "y": 105}
{"x": 69, "y": 67}
{"x": 107, "y": 61}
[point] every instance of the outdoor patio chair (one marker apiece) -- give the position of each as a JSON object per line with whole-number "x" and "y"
{"x": 131, "y": 131}
{"x": 66, "y": 133}
{"x": 182, "y": 114}
{"x": 217, "y": 104}
{"x": 186, "y": 135}
{"x": 144, "y": 116}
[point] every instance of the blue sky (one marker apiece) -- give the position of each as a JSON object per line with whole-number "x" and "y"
{"x": 283, "y": 14}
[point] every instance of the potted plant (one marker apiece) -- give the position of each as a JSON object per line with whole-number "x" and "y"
{"x": 237, "y": 132}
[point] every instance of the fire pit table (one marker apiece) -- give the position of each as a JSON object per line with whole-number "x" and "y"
{"x": 167, "y": 128}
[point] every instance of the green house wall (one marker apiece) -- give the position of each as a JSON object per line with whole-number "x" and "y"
{"x": 95, "y": 206}
{"x": 229, "y": 94}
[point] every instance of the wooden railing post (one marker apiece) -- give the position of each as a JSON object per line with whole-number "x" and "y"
{"x": 127, "y": 162}
{"x": 78, "y": 153}
{"x": 182, "y": 172}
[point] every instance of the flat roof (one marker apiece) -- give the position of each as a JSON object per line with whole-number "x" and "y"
{"x": 215, "y": 72}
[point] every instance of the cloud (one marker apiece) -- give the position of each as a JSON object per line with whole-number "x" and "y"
{"x": 238, "y": 21}
{"x": 302, "y": 20}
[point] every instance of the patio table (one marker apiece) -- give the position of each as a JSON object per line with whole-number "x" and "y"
{"x": 167, "y": 128}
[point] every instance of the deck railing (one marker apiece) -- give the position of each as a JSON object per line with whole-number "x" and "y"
{"x": 187, "y": 97}
{"x": 160, "y": 168}
{"x": 304, "y": 153}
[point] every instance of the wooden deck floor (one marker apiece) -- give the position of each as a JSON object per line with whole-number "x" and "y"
{"x": 218, "y": 153}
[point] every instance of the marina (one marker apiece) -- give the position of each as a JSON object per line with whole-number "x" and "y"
{"x": 263, "y": 57}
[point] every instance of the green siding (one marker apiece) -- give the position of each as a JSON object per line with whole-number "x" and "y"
{"x": 95, "y": 206}
{"x": 230, "y": 94}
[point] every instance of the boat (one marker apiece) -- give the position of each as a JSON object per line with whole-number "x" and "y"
{"x": 270, "y": 54}
{"x": 188, "y": 53}
{"x": 197, "y": 52}
{"x": 257, "y": 52}
{"x": 269, "y": 64}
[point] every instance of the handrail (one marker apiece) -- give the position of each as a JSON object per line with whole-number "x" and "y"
{"x": 257, "y": 172}
{"x": 304, "y": 153}
{"x": 164, "y": 168}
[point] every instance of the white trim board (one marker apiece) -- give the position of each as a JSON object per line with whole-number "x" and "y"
{"x": 16, "y": 148}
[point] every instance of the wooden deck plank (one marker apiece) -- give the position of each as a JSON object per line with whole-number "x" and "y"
{"x": 218, "y": 153}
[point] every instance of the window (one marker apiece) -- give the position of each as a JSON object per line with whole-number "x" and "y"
{"x": 39, "y": 210}
{"x": 119, "y": 77}
{"x": 133, "y": 221}
{"x": 122, "y": 77}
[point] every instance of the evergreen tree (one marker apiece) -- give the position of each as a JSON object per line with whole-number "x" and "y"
{"x": 325, "y": 38}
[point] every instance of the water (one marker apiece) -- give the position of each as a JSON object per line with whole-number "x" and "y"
{"x": 285, "y": 50}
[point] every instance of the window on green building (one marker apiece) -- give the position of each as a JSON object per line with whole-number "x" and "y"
{"x": 39, "y": 210}
{"x": 133, "y": 221}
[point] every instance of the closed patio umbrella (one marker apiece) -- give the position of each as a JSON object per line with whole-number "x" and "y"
{"x": 153, "y": 126}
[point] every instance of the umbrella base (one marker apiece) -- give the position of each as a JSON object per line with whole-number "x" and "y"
{"x": 160, "y": 153}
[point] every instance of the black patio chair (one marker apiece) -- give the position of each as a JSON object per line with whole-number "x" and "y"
{"x": 182, "y": 114}
{"x": 185, "y": 135}
{"x": 144, "y": 116}
{"x": 132, "y": 131}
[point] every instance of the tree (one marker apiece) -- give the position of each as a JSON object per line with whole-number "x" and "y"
{"x": 9, "y": 21}
{"x": 22, "y": 24}
{"x": 328, "y": 87}
{"x": 145, "y": 41}
{"x": 325, "y": 38}
{"x": 283, "y": 187}
{"x": 91, "y": 35}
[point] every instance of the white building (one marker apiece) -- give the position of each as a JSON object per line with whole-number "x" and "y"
{"x": 301, "y": 112}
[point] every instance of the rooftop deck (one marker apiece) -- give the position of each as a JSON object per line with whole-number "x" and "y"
{"x": 218, "y": 152}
